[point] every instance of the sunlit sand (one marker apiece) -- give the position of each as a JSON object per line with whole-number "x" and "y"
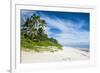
{"x": 67, "y": 54}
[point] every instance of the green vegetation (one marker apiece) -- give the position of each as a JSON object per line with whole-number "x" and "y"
{"x": 34, "y": 38}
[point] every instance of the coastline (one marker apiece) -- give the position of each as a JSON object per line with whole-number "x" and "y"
{"x": 67, "y": 54}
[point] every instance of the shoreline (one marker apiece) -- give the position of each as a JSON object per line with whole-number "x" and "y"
{"x": 67, "y": 54}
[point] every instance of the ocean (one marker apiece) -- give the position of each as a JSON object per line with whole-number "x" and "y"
{"x": 81, "y": 47}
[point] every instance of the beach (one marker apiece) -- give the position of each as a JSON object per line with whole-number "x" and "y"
{"x": 67, "y": 54}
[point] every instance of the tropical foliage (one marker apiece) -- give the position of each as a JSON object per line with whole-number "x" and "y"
{"x": 33, "y": 34}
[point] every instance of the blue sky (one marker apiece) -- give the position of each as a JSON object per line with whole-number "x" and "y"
{"x": 69, "y": 28}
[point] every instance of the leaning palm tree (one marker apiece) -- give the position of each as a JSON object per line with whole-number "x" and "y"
{"x": 39, "y": 24}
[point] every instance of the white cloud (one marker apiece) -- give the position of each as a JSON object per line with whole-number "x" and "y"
{"x": 72, "y": 39}
{"x": 71, "y": 34}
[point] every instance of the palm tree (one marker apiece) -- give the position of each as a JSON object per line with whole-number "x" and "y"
{"x": 42, "y": 23}
{"x": 36, "y": 19}
{"x": 34, "y": 26}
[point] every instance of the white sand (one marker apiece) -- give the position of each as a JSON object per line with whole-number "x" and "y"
{"x": 67, "y": 54}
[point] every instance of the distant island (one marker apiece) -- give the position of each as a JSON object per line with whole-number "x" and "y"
{"x": 33, "y": 36}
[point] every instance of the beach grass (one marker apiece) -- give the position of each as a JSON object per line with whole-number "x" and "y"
{"x": 39, "y": 46}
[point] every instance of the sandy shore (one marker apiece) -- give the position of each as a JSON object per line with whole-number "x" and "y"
{"x": 67, "y": 54}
